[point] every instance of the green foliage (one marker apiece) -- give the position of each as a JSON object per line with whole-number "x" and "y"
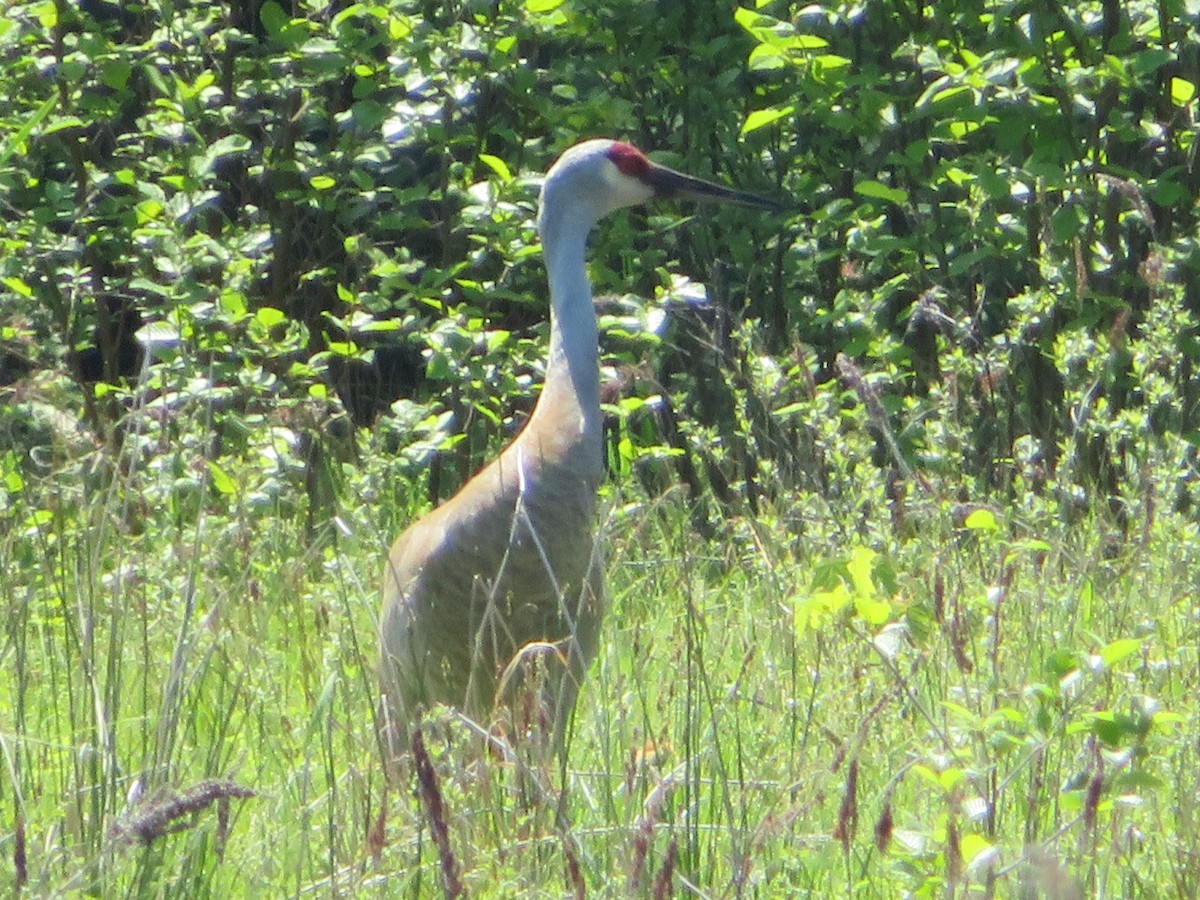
{"x": 270, "y": 285}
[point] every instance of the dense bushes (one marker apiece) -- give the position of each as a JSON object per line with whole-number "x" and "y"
{"x": 994, "y": 223}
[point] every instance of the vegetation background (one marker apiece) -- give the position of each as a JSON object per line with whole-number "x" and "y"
{"x": 902, "y": 509}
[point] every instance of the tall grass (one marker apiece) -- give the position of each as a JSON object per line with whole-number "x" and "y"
{"x": 190, "y": 698}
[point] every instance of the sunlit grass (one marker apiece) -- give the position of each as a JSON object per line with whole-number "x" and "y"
{"x": 1031, "y": 724}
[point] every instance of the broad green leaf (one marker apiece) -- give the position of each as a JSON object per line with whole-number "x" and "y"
{"x": 1182, "y": 91}
{"x": 976, "y": 851}
{"x": 922, "y": 771}
{"x": 148, "y": 211}
{"x": 497, "y": 165}
{"x": 233, "y": 302}
{"x": 762, "y": 117}
{"x": 115, "y": 73}
{"x": 806, "y": 42}
{"x": 269, "y": 316}
{"x": 63, "y": 123}
{"x": 766, "y": 57}
{"x": 1117, "y": 650}
{"x": 399, "y": 27}
{"x": 281, "y": 26}
{"x": 221, "y": 480}
{"x": 1148, "y": 61}
{"x": 813, "y": 611}
{"x": 230, "y": 144}
{"x": 859, "y": 566}
{"x": 764, "y": 28}
{"x": 830, "y": 62}
{"x": 17, "y": 286}
{"x": 37, "y": 519}
{"x": 322, "y": 182}
{"x": 1059, "y": 663}
{"x": 381, "y": 326}
{"x": 46, "y": 12}
{"x": 960, "y": 711}
{"x": 879, "y": 191}
{"x": 539, "y": 7}
{"x": 273, "y": 17}
{"x": 873, "y": 610}
{"x": 947, "y": 94}
{"x": 981, "y": 520}
{"x": 790, "y": 408}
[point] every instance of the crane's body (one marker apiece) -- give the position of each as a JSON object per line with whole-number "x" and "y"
{"x": 511, "y": 560}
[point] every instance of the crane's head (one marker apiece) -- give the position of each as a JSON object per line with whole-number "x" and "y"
{"x": 593, "y": 178}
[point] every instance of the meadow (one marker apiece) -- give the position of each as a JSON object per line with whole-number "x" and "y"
{"x": 822, "y": 698}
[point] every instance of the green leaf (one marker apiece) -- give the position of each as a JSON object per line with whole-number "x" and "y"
{"x": 1066, "y": 222}
{"x": 813, "y": 611}
{"x": 859, "y": 567}
{"x": 63, "y": 123}
{"x": 233, "y": 303}
{"x": 879, "y": 191}
{"x": 1117, "y": 650}
{"x": 981, "y": 520}
{"x": 269, "y": 316}
{"x": 765, "y": 57}
{"x": 540, "y": 7}
{"x": 47, "y": 13}
{"x": 273, "y": 17}
{"x": 226, "y": 146}
{"x": 764, "y": 28}
{"x": 1182, "y": 91}
{"x": 947, "y": 94}
{"x": 221, "y": 480}
{"x": 830, "y": 62}
{"x": 763, "y": 117}
{"x": 18, "y": 138}
{"x": 969, "y": 718}
{"x": 37, "y": 519}
{"x": 1059, "y": 663}
{"x": 381, "y": 325}
{"x": 322, "y": 182}
{"x": 976, "y": 850}
{"x": 808, "y": 42}
{"x": 873, "y": 610}
{"x": 115, "y": 73}
{"x": 790, "y": 408}
{"x": 497, "y": 165}
{"x": 17, "y": 286}
{"x": 282, "y": 27}
{"x": 960, "y": 128}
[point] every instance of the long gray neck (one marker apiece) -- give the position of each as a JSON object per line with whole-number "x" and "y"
{"x": 570, "y": 400}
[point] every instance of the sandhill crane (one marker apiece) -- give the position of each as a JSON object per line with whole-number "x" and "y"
{"x": 510, "y": 562}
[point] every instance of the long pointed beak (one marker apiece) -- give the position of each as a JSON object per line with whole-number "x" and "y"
{"x": 669, "y": 184}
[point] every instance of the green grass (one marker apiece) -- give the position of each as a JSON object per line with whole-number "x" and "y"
{"x": 1030, "y": 727}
